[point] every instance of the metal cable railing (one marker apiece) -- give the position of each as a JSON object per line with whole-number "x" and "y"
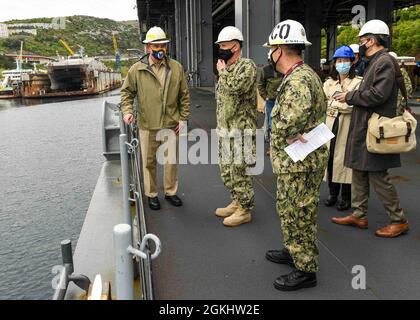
{"x": 136, "y": 187}
{"x": 131, "y": 167}
{"x": 131, "y": 245}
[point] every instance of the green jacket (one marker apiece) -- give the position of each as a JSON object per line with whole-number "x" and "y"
{"x": 300, "y": 107}
{"x": 236, "y": 96}
{"x": 157, "y": 107}
{"x": 268, "y": 82}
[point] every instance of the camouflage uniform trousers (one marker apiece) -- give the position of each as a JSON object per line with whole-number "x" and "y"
{"x": 297, "y": 202}
{"x": 239, "y": 183}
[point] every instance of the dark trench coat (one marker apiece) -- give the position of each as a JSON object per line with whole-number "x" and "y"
{"x": 377, "y": 93}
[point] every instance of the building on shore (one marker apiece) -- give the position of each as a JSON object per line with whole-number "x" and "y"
{"x": 4, "y": 31}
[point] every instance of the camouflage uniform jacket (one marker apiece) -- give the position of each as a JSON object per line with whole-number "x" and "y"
{"x": 236, "y": 96}
{"x": 268, "y": 82}
{"x": 401, "y": 101}
{"x": 300, "y": 107}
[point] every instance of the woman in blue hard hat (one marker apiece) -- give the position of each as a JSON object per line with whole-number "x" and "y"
{"x": 342, "y": 79}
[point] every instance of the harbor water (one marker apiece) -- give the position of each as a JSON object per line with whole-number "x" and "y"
{"x": 50, "y": 159}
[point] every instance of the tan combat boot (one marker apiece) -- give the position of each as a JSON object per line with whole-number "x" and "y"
{"x": 240, "y": 216}
{"x": 228, "y": 211}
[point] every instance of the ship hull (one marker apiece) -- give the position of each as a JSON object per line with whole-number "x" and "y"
{"x": 68, "y": 78}
{"x": 10, "y": 94}
{"x": 74, "y": 80}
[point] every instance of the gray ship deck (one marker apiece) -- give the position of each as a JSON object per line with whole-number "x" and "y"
{"x": 202, "y": 259}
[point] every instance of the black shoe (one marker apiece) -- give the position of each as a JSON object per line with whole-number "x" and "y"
{"x": 295, "y": 280}
{"x": 280, "y": 256}
{"x": 331, "y": 201}
{"x": 344, "y": 205}
{"x": 174, "y": 200}
{"x": 154, "y": 203}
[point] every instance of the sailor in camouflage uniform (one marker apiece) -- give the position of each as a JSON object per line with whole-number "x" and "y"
{"x": 236, "y": 111}
{"x": 299, "y": 108}
{"x": 401, "y": 104}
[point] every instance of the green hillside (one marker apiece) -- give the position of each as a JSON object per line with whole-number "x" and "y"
{"x": 93, "y": 34}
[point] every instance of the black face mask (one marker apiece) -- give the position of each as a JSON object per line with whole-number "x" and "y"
{"x": 225, "y": 54}
{"x": 363, "y": 50}
{"x": 274, "y": 63}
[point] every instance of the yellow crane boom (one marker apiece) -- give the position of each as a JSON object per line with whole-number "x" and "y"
{"x": 114, "y": 42}
{"x": 116, "y": 52}
{"x": 21, "y": 52}
{"x": 65, "y": 45}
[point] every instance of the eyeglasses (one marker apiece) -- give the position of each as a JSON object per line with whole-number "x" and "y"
{"x": 363, "y": 42}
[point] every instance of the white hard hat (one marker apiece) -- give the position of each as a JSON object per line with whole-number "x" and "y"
{"x": 374, "y": 27}
{"x": 229, "y": 34}
{"x": 156, "y": 35}
{"x": 355, "y": 48}
{"x": 393, "y": 54}
{"x": 288, "y": 32}
{"x": 267, "y": 44}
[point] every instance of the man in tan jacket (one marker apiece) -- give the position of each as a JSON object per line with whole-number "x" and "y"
{"x": 163, "y": 102}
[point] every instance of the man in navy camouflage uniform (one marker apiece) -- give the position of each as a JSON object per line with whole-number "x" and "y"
{"x": 236, "y": 112}
{"x": 299, "y": 108}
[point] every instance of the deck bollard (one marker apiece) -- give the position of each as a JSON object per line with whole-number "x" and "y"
{"x": 67, "y": 255}
{"x": 67, "y": 276}
{"x": 124, "y": 273}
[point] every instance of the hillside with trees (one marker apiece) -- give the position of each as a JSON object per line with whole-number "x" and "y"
{"x": 93, "y": 34}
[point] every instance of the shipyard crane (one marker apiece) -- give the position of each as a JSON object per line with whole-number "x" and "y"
{"x": 116, "y": 52}
{"x": 65, "y": 45}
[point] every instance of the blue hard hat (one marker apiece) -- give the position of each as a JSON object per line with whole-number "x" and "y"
{"x": 344, "y": 52}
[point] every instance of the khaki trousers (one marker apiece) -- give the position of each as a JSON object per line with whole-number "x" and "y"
{"x": 149, "y": 148}
{"x": 385, "y": 190}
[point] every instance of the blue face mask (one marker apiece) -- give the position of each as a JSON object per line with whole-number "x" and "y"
{"x": 343, "y": 68}
{"x": 159, "y": 55}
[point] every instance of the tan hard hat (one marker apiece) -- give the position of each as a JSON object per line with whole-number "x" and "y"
{"x": 156, "y": 35}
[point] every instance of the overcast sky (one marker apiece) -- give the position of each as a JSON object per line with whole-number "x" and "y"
{"x": 112, "y": 9}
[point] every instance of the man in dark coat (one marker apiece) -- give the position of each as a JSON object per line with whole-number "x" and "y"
{"x": 377, "y": 93}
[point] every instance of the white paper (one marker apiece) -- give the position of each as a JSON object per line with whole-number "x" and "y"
{"x": 316, "y": 138}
